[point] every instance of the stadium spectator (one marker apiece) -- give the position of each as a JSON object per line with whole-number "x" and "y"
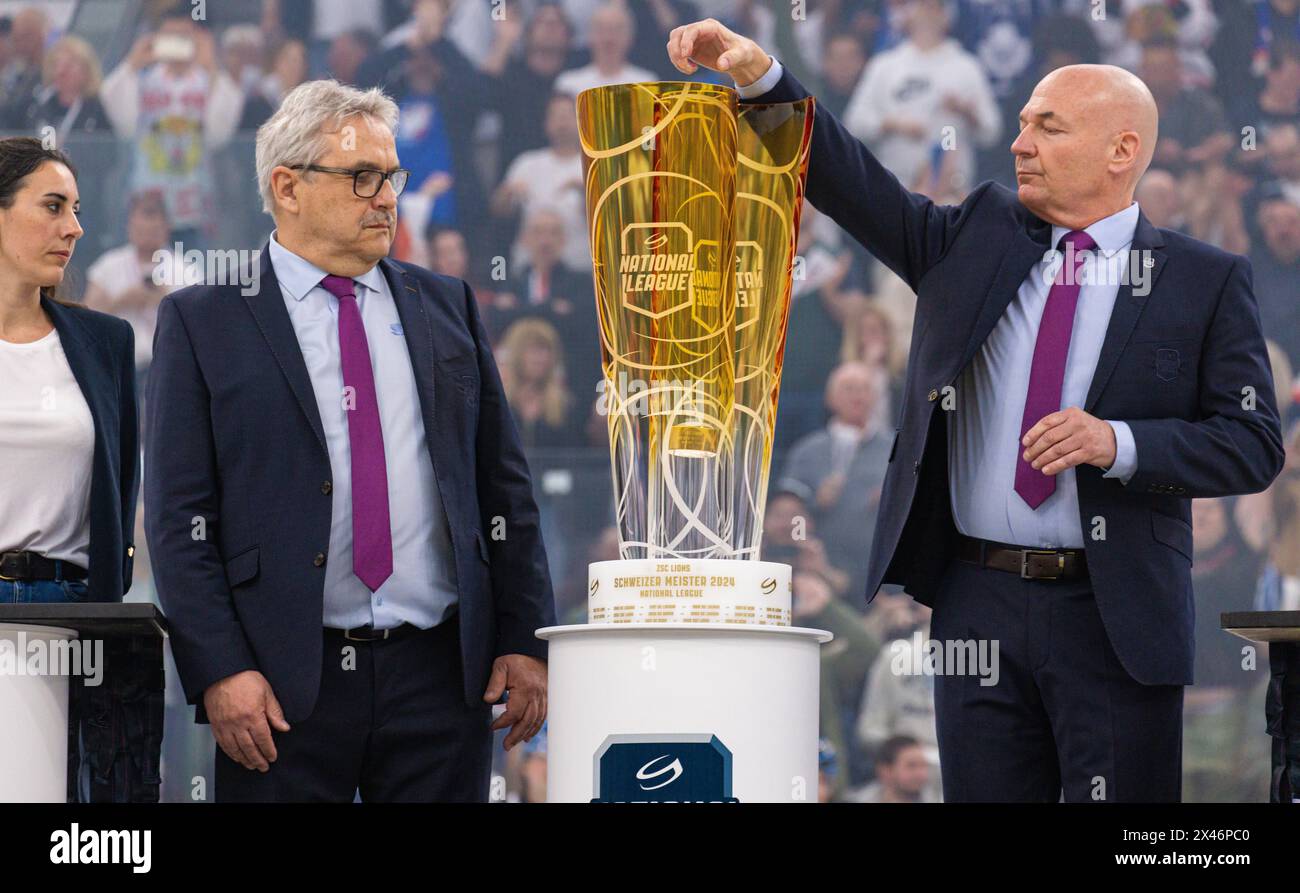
{"x": 844, "y": 661}
{"x": 1222, "y": 760}
{"x": 652, "y": 20}
{"x": 1000, "y": 34}
{"x": 67, "y": 101}
{"x": 843, "y": 65}
{"x": 348, "y": 51}
{"x": 1274, "y": 20}
{"x": 1193, "y": 129}
{"x": 870, "y": 339}
{"x": 550, "y": 177}
{"x": 545, "y": 288}
{"x": 843, "y": 466}
{"x": 1214, "y": 195}
{"x": 1278, "y": 532}
{"x": 925, "y": 104}
{"x": 903, "y": 774}
{"x": 897, "y": 700}
{"x": 532, "y": 372}
{"x": 129, "y": 281}
{"x": 609, "y": 38}
{"x": 790, "y": 537}
{"x": 1278, "y": 101}
{"x": 440, "y": 95}
{"x": 1189, "y": 27}
{"x": 288, "y": 70}
{"x": 1282, "y": 153}
{"x": 243, "y": 56}
{"x": 169, "y": 98}
{"x": 821, "y": 304}
{"x": 521, "y": 92}
{"x": 21, "y": 76}
{"x": 1160, "y": 197}
{"x": 828, "y": 770}
{"x": 1275, "y": 261}
{"x": 447, "y": 252}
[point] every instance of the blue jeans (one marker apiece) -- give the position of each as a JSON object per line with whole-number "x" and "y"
{"x": 47, "y": 592}
{"x": 42, "y": 591}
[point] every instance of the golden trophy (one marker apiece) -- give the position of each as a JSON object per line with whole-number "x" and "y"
{"x": 693, "y": 205}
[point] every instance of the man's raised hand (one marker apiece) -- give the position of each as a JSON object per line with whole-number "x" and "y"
{"x": 714, "y": 45}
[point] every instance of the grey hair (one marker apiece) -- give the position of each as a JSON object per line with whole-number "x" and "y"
{"x": 298, "y": 131}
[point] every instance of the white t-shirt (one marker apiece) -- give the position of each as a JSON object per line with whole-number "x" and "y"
{"x": 554, "y": 181}
{"x": 910, "y": 82}
{"x": 47, "y": 444}
{"x": 575, "y": 80}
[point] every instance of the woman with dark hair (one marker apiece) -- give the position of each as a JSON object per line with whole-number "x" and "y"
{"x": 68, "y": 439}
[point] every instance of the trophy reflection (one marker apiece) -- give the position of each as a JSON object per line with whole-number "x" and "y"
{"x": 693, "y": 208}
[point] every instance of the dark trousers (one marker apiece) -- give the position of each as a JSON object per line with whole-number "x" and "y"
{"x": 1064, "y": 715}
{"x": 392, "y": 724}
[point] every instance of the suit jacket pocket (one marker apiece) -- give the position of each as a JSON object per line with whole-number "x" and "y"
{"x": 462, "y": 373}
{"x": 1173, "y": 532}
{"x": 242, "y": 568}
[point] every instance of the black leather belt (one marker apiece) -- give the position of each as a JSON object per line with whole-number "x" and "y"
{"x": 1030, "y": 564}
{"x": 34, "y": 566}
{"x": 368, "y": 633}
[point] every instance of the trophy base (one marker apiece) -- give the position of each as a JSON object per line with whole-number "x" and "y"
{"x": 689, "y": 590}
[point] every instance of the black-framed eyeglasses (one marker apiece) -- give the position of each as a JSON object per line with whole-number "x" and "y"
{"x": 366, "y": 182}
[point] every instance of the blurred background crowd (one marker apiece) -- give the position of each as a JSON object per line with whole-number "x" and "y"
{"x": 158, "y": 101}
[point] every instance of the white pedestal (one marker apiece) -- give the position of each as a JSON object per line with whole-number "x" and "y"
{"x": 673, "y": 712}
{"x": 34, "y": 718}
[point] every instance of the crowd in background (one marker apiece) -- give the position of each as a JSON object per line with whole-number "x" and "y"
{"x": 488, "y": 129}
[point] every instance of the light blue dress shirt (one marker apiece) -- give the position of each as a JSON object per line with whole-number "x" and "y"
{"x": 422, "y": 588}
{"x": 984, "y": 427}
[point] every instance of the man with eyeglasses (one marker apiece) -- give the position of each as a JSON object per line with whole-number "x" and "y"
{"x": 339, "y": 511}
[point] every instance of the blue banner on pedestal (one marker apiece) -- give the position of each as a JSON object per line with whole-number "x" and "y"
{"x": 671, "y": 768}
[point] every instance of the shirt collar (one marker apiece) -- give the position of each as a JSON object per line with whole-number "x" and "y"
{"x": 1112, "y": 234}
{"x": 298, "y": 276}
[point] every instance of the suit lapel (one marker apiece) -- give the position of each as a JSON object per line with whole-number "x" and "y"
{"x": 267, "y": 307}
{"x": 1128, "y": 306}
{"x": 89, "y": 360}
{"x": 418, "y": 332}
{"x": 1027, "y": 249}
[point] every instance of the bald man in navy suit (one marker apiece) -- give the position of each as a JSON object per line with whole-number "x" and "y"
{"x": 1076, "y": 377}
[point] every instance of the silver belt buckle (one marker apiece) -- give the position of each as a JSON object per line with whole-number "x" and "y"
{"x": 1024, "y": 563}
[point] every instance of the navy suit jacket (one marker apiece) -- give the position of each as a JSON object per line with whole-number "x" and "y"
{"x": 234, "y": 438}
{"x": 101, "y": 352}
{"x": 1175, "y": 364}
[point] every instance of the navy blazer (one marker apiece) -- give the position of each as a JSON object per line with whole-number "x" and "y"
{"x": 237, "y": 485}
{"x": 1185, "y": 365}
{"x": 101, "y": 352}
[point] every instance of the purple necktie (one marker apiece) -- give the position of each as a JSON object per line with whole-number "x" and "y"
{"x": 372, "y": 538}
{"x": 1048, "y": 371}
